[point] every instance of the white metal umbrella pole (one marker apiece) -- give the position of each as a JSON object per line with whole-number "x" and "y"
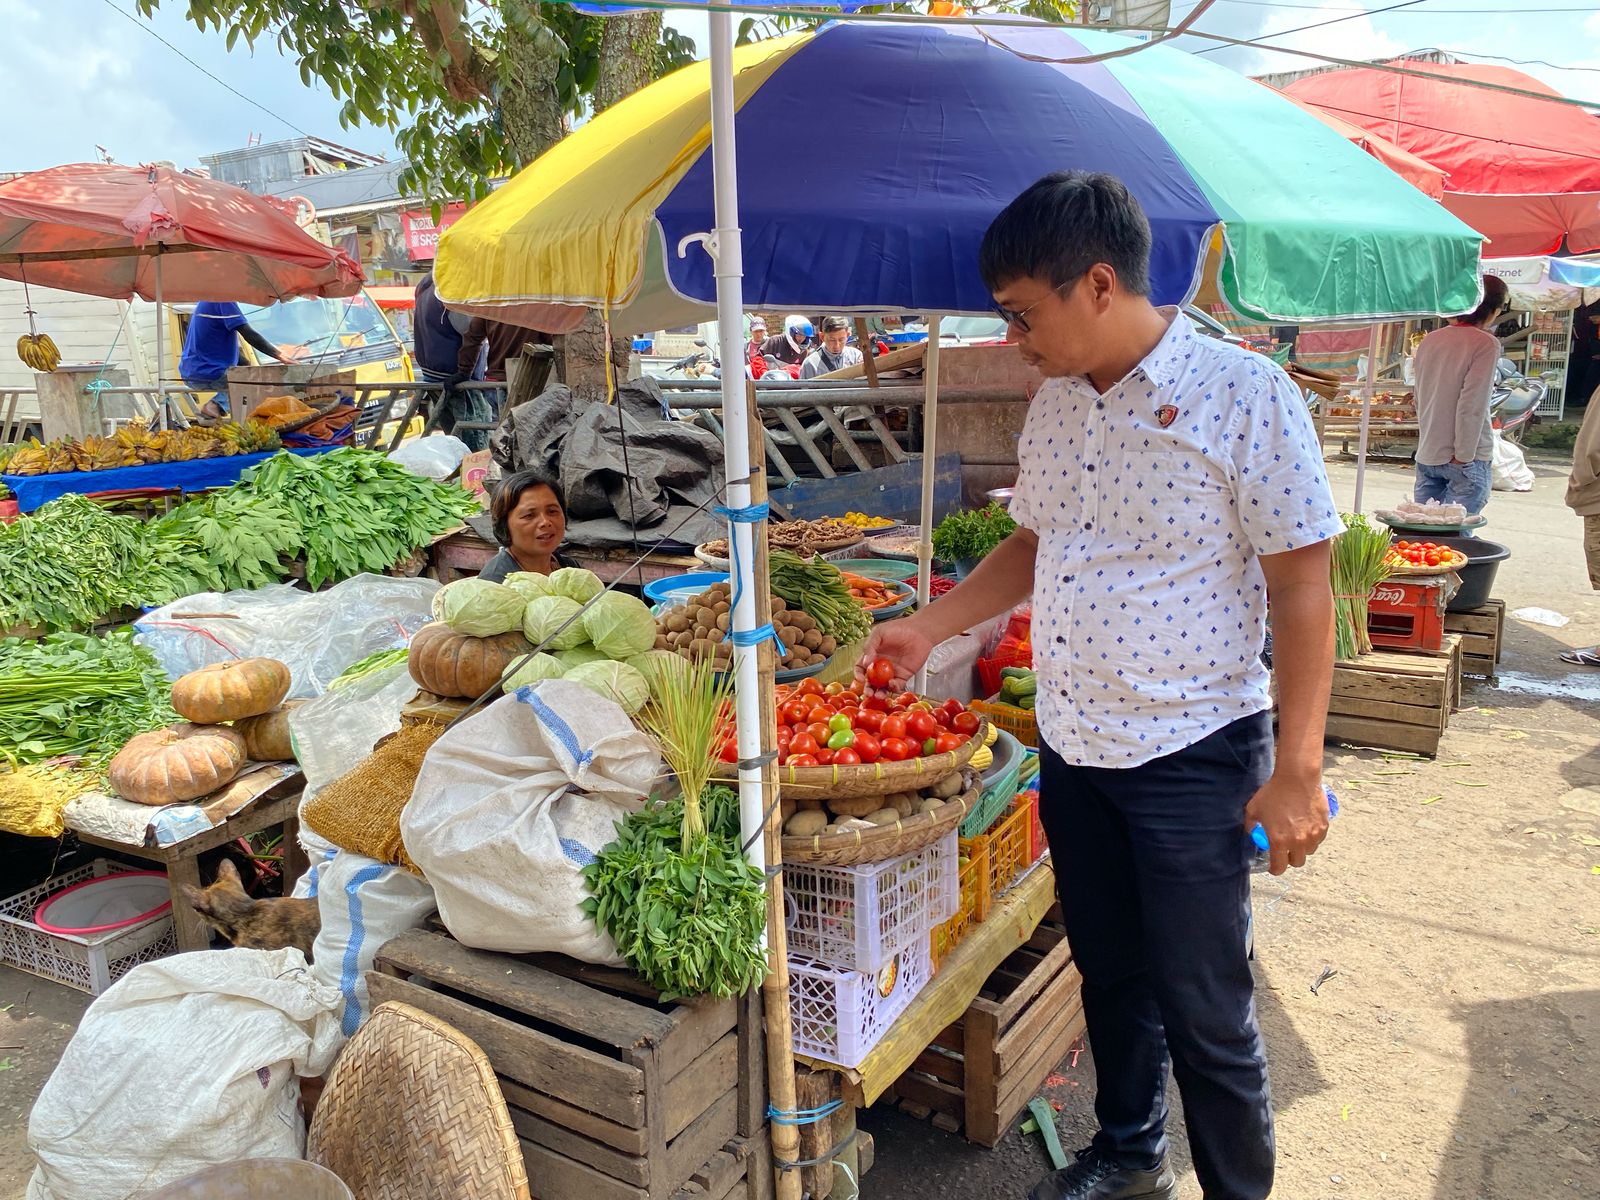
{"x": 726, "y": 253}
{"x": 1368, "y": 386}
{"x": 930, "y": 452}
{"x": 161, "y": 397}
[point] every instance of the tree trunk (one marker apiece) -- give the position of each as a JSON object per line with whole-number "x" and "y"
{"x": 529, "y": 107}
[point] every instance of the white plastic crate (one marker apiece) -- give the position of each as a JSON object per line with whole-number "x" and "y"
{"x": 838, "y": 1016}
{"x": 90, "y": 964}
{"x": 859, "y": 918}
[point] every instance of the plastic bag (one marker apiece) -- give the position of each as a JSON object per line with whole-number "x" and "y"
{"x": 184, "y": 1062}
{"x": 315, "y": 634}
{"x": 363, "y": 903}
{"x": 337, "y": 730}
{"x": 1508, "y": 468}
{"x": 512, "y": 804}
{"x": 437, "y": 456}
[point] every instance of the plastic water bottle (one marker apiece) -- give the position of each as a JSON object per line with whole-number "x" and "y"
{"x": 1258, "y": 835}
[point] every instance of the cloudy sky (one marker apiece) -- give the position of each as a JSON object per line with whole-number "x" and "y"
{"x": 95, "y": 75}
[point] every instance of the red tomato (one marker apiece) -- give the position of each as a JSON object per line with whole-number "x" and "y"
{"x": 965, "y": 722}
{"x": 868, "y": 747}
{"x": 953, "y": 706}
{"x": 946, "y": 742}
{"x": 730, "y": 751}
{"x": 920, "y": 727}
{"x": 847, "y": 757}
{"x": 905, "y": 699}
{"x": 878, "y": 704}
{"x": 783, "y": 756}
{"x": 785, "y": 734}
{"x": 942, "y": 719}
{"x": 855, "y": 686}
{"x": 893, "y": 727}
{"x": 824, "y": 757}
{"x": 794, "y": 713}
{"x": 833, "y": 689}
{"x": 803, "y": 743}
{"x": 880, "y": 672}
{"x": 869, "y": 719}
{"x": 820, "y": 731}
{"x": 895, "y": 749}
{"x": 851, "y": 713}
{"x": 819, "y": 712}
{"x": 810, "y": 687}
{"x": 801, "y": 760}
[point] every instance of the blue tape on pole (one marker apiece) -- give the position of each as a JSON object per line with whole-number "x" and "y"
{"x": 749, "y": 515}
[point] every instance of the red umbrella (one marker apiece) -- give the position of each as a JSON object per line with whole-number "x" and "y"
{"x": 1522, "y": 170}
{"x": 108, "y": 230}
{"x": 1418, "y": 172}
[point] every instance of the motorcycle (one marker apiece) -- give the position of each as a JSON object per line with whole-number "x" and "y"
{"x": 1515, "y": 398}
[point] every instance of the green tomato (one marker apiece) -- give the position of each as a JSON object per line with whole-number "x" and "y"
{"x": 837, "y": 722}
{"x": 841, "y": 738}
{"x": 929, "y": 746}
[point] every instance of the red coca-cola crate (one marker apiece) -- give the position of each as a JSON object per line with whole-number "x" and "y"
{"x": 1408, "y": 614}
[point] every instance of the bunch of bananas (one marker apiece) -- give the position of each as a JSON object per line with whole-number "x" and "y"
{"x": 133, "y": 446}
{"x": 38, "y": 352}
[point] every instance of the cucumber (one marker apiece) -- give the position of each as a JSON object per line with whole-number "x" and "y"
{"x": 1016, "y": 673}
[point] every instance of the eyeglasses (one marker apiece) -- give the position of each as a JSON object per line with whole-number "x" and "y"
{"x": 1020, "y": 319}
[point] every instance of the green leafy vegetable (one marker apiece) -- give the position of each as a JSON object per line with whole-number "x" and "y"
{"x": 969, "y": 535}
{"x": 479, "y": 608}
{"x": 578, "y": 655}
{"x": 613, "y": 680}
{"x": 1360, "y": 563}
{"x": 370, "y": 665}
{"x": 530, "y": 583}
{"x": 819, "y": 590}
{"x": 69, "y": 564}
{"x": 575, "y": 583}
{"x": 619, "y": 625}
{"x": 553, "y": 622}
{"x": 526, "y": 670}
{"x": 71, "y": 694}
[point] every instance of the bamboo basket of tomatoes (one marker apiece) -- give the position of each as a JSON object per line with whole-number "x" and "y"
{"x": 1423, "y": 558}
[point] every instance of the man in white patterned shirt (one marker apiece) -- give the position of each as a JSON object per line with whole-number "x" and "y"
{"x": 1167, "y": 483}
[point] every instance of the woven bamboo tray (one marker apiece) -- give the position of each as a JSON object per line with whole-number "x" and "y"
{"x": 857, "y": 846}
{"x": 1405, "y": 570}
{"x": 868, "y": 779}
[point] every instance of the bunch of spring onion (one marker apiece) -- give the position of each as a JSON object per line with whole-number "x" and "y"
{"x": 1360, "y": 563}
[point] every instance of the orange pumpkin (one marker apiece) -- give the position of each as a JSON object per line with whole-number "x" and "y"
{"x": 266, "y": 737}
{"x": 180, "y": 762}
{"x": 447, "y": 663}
{"x": 231, "y": 691}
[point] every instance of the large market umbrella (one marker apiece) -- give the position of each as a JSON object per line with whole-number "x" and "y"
{"x": 871, "y": 158}
{"x": 1418, "y": 172}
{"x": 163, "y": 235}
{"x": 1524, "y": 170}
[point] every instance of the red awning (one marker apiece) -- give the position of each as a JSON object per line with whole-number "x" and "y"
{"x": 1520, "y": 169}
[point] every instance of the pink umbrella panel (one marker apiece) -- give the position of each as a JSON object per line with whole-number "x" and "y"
{"x": 161, "y": 234}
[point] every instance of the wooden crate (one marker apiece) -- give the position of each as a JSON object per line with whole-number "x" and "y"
{"x": 741, "y": 1170}
{"x": 980, "y": 1073}
{"x": 614, "y": 1094}
{"x": 1395, "y": 700}
{"x": 1482, "y": 632}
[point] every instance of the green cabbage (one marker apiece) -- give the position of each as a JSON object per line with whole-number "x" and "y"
{"x": 530, "y": 583}
{"x": 576, "y": 584}
{"x": 478, "y": 607}
{"x": 546, "y": 614}
{"x": 620, "y": 626}
{"x": 536, "y": 670}
{"x": 614, "y": 680}
{"x": 580, "y": 654}
{"x": 653, "y": 664}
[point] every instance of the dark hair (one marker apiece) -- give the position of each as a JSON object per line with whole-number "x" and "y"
{"x": 1495, "y": 298}
{"x": 834, "y": 324}
{"x": 509, "y": 495}
{"x": 1063, "y": 225}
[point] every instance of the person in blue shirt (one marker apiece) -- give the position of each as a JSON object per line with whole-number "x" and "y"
{"x": 211, "y": 346}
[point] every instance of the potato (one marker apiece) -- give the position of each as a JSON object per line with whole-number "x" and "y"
{"x": 786, "y": 809}
{"x": 705, "y": 616}
{"x": 856, "y": 806}
{"x": 811, "y": 640}
{"x": 801, "y": 620}
{"x": 930, "y": 806}
{"x": 806, "y": 823}
{"x": 828, "y": 646}
{"x": 662, "y": 643}
{"x": 677, "y": 621}
{"x": 947, "y": 788}
{"x": 904, "y": 803}
{"x": 701, "y": 647}
{"x": 779, "y": 604}
{"x": 721, "y": 607}
{"x": 884, "y": 816}
{"x": 723, "y": 620}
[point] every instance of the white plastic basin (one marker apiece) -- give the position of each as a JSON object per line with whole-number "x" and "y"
{"x": 103, "y": 905}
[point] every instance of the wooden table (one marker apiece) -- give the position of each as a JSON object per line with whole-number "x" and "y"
{"x": 181, "y": 860}
{"x": 954, "y": 988}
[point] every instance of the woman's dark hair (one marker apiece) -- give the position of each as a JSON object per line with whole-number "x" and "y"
{"x": 1063, "y": 225}
{"x": 1495, "y": 298}
{"x": 509, "y": 494}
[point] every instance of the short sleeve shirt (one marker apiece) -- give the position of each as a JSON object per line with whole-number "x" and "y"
{"x": 1153, "y": 503}
{"x": 211, "y": 345}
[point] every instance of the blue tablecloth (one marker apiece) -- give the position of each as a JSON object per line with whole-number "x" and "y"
{"x": 196, "y": 475}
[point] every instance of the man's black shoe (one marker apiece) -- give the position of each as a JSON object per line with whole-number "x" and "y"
{"x": 1096, "y": 1177}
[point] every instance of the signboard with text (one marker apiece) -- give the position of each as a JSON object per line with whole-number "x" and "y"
{"x": 422, "y": 234}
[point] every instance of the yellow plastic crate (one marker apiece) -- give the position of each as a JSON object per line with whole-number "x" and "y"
{"x": 974, "y": 902}
{"x": 1018, "y": 722}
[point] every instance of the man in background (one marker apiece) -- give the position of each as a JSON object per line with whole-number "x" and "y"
{"x": 835, "y": 353}
{"x": 211, "y": 346}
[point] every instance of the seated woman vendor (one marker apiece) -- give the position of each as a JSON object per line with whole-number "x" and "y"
{"x": 530, "y": 522}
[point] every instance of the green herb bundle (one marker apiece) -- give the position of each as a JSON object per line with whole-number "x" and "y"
{"x": 69, "y": 564}
{"x": 970, "y": 535}
{"x": 675, "y": 891}
{"x": 817, "y": 589}
{"x": 372, "y": 664}
{"x": 74, "y": 694}
{"x": 1360, "y": 563}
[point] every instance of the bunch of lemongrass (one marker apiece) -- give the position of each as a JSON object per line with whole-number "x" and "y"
{"x": 1360, "y": 563}
{"x": 690, "y": 715}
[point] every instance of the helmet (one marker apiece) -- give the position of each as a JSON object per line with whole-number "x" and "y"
{"x": 795, "y": 323}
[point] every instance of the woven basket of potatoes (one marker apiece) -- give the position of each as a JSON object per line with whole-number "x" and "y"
{"x": 848, "y": 831}
{"x": 698, "y": 628}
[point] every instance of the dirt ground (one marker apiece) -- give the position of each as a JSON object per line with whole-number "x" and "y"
{"x": 1452, "y": 1048}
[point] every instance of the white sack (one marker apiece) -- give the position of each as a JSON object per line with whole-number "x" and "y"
{"x": 184, "y": 1062}
{"x": 363, "y": 903}
{"x": 513, "y": 803}
{"x": 1508, "y": 469}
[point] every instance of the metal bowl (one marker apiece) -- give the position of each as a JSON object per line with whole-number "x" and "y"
{"x": 1003, "y": 495}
